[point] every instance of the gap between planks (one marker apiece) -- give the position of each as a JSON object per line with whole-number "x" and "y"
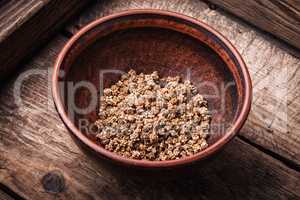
{"x": 25, "y": 25}
{"x": 7, "y": 194}
{"x": 278, "y": 17}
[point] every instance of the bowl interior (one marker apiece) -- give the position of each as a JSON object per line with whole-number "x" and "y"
{"x": 148, "y": 43}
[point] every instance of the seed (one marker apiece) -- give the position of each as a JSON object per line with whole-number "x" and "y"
{"x": 144, "y": 116}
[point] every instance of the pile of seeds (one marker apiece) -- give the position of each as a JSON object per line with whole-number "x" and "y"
{"x": 147, "y": 117}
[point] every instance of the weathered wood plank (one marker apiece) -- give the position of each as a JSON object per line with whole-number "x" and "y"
{"x": 274, "y": 120}
{"x": 279, "y": 17}
{"x": 26, "y": 24}
{"x": 14, "y": 14}
{"x": 35, "y": 144}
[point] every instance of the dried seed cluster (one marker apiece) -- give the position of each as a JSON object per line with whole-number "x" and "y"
{"x": 145, "y": 117}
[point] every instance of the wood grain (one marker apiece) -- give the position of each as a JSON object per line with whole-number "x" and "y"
{"x": 36, "y": 148}
{"x": 26, "y": 24}
{"x": 274, "y": 122}
{"x": 39, "y": 159}
{"x": 278, "y": 17}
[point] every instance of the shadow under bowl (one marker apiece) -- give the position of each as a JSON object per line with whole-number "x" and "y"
{"x": 147, "y": 41}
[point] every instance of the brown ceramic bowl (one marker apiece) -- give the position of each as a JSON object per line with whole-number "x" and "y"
{"x": 147, "y": 41}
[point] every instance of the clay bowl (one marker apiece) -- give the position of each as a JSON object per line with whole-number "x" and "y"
{"x": 147, "y": 41}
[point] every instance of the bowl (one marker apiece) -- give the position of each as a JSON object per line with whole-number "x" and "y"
{"x": 146, "y": 41}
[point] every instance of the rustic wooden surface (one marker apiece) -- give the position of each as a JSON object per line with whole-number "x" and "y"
{"x": 279, "y": 17}
{"x": 274, "y": 120}
{"x": 35, "y": 143}
{"x": 26, "y": 24}
{"x": 36, "y": 149}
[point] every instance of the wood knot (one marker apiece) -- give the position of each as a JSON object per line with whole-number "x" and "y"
{"x": 212, "y": 6}
{"x": 53, "y": 182}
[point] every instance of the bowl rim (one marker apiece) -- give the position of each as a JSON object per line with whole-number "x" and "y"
{"x": 238, "y": 123}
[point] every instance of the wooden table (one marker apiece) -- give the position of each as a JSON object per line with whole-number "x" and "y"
{"x": 39, "y": 159}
